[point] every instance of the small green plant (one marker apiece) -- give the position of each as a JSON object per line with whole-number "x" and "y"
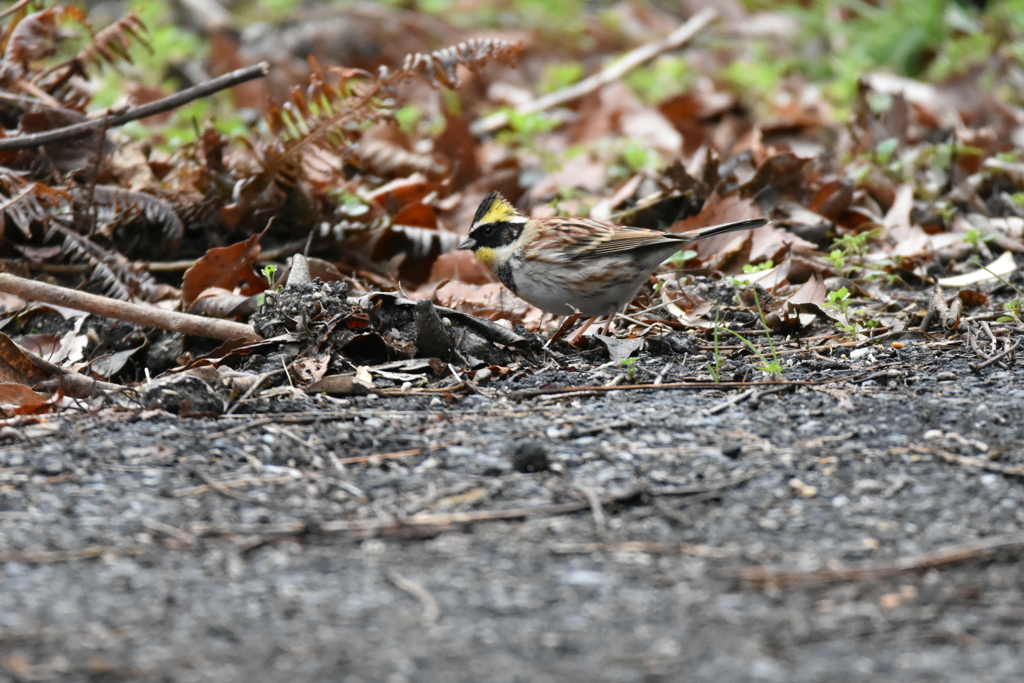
{"x": 751, "y": 268}
{"x": 757, "y": 268}
{"x": 885, "y": 149}
{"x": 854, "y": 244}
{"x": 523, "y": 131}
{"x": 560, "y": 75}
{"x": 838, "y": 259}
{"x": 638, "y": 157}
{"x": 847, "y": 248}
{"x": 269, "y": 272}
{"x": 775, "y": 367}
{"x": 771, "y": 367}
{"x": 976, "y": 237}
{"x": 839, "y": 299}
{"x": 1014, "y": 309}
{"x": 350, "y": 205}
{"x": 666, "y": 76}
{"x": 628, "y": 364}
{"x": 715, "y": 370}
{"x": 681, "y": 257}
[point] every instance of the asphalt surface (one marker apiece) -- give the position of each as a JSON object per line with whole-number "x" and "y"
{"x": 864, "y": 530}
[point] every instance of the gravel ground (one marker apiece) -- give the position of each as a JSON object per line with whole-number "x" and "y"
{"x": 663, "y": 541}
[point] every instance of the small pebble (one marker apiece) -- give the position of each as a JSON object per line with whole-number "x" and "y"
{"x": 868, "y": 486}
{"x": 932, "y": 434}
{"x": 529, "y": 456}
{"x": 483, "y": 375}
{"x": 945, "y": 376}
{"x": 803, "y": 490}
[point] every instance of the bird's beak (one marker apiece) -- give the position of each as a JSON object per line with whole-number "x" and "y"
{"x": 467, "y": 243}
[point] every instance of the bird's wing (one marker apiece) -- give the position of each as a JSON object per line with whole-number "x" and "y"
{"x": 570, "y": 239}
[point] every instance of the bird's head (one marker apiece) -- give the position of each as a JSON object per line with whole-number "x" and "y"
{"x": 495, "y": 229}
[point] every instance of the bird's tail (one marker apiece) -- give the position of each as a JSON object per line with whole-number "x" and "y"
{"x": 712, "y": 230}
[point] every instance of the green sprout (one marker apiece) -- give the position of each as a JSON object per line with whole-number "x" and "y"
{"x": 269, "y": 272}
{"x": 681, "y": 257}
{"x": 976, "y": 237}
{"x": 756, "y": 268}
{"x": 715, "y": 370}
{"x": 839, "y": 299}
{"x": 628, "y": 363}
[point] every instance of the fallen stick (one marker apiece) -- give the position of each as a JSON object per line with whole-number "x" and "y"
{"x": 148, "y": 316}
{"x": 609, "y": 74}
{"x": 775, "y": 576}
{"x": 109, "y": 119}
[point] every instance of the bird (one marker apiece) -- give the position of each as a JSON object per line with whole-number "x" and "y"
{"x": 571, "y": 266}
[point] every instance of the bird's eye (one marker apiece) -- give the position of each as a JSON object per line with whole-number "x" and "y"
{"x": 488, "y": 230}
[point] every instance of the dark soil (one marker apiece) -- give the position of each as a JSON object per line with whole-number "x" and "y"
{"x": 142, "y": 546}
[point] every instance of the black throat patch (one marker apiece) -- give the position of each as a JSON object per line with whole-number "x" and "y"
{"x": 504, "y": 273}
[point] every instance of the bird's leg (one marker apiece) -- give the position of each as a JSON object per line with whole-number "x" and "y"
{"x": 578, "y": 334}
{"x": 608, "y": 324}
{"x": 567, "y": 322}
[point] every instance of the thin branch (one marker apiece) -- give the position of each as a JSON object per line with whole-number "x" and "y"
{"x": 174, "y": 101}
{"x": 609, "y": 74}
{"x": 995, "y": 359}
{"x": 583, "y": 389}
{"x": 431, "y": 611}
{"x": 14, "y": 8}
{"x": 148, "y": 316}
{"x": 954, "y": 554}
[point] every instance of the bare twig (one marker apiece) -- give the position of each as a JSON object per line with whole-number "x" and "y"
{"x": 986, "y": 465}
{"x": 596, "y": 510}
{"x": 996, "y": 358}
{"x": 610, "y": 74}
{"x": 431, "y": 611}
{"x": 773, "y": 576}
{"x": 109, "y": 119}
{"x": 937, "y": 310}
{"x": 14, "y": 8}
{"x": 530, "y": 393}
{"x": 47, "y": 556}
{"x": 251, "y": 390}
{"x": 735, "y": 400}
{"x": 122, "y": 310}
{"x": 391, "y": 456}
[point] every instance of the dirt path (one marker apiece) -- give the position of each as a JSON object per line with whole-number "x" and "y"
{"x": 147, "y": 547}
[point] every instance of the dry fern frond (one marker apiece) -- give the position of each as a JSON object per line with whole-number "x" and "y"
{"x": 440, "y": 67}
{"x": 385, "y": 158}
{"x": 111, "y": 45}
{"x": 316, "y": 131}
{"x": 20, "y": 205}
{"x": 111, "y": 271}
{"x": 324, "y": 115}
{"x": 35, "y": 37}
{"x": 119, "y": 206}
